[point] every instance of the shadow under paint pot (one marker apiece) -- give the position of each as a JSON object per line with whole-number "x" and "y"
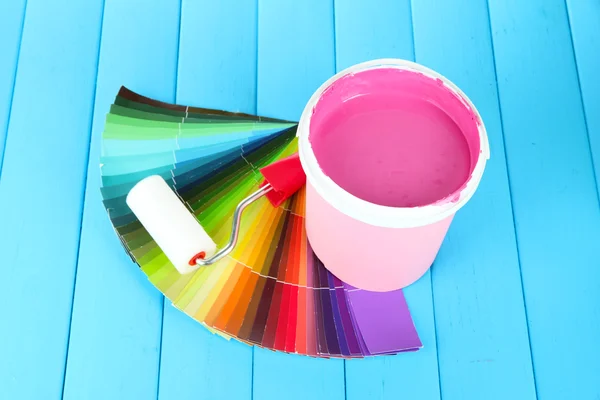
{"x": 391, "y": 151}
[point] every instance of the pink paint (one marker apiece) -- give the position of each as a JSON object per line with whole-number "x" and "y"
{"x": 395, "y": 137}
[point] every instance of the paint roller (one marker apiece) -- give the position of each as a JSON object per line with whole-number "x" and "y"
{"x": 177, "y": 231}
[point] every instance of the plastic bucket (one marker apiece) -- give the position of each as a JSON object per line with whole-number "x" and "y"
{"x": 383, "y": 180}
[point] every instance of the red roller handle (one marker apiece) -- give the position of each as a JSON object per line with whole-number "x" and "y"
{"x": 286, "y": 176}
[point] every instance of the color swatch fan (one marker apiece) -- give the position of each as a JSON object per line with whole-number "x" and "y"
{"x": 271, "y": 290}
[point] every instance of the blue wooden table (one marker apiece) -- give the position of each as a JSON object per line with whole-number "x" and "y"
{"x": 511, "y": 307}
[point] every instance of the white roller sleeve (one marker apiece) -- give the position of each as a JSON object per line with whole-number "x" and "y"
{"x": 172, "y": 226}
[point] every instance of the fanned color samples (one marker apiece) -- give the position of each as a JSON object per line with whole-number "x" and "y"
{"x": 271, "y": 291}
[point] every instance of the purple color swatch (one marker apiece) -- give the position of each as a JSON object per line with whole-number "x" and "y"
{"x": 384, "y": 320}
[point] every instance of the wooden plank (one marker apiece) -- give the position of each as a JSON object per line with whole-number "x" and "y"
{"x": 410, "y": 375}
{"x": 12, "y": 15}
{"x": 479, "y": 310}
{"x": 299, "y": 377}
{"x": 217, "y": 69}
{"x": 116, "y": 325}
{"x": 196, "y": 364}
{"x": 366, "y": 31}
{"x": 41, "y": 192}
{"x": 584, "y": 17}
{"x": 217, "y": 54}
{"x": 553, "y": 191}
{"x": 295, "y": 56}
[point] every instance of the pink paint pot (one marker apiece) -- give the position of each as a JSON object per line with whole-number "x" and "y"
{"x": 391, "y": 150}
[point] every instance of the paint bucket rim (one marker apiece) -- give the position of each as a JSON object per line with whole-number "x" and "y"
{"x": 376, "y": 214}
